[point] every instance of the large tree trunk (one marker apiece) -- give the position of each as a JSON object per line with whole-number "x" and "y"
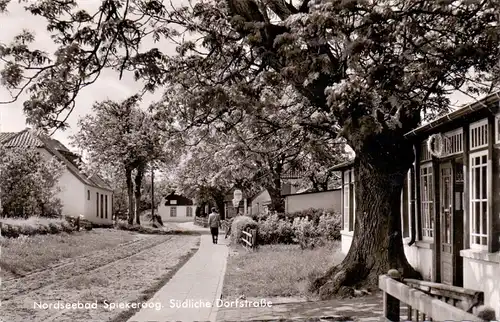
{"x": 138, "y": 185}
{"x": 377, "y": 246}
{"x": 130, "y": 194}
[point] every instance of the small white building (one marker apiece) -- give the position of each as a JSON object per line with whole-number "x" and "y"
{"x": 91, "y": 196}
{"x": 176, "y": 208}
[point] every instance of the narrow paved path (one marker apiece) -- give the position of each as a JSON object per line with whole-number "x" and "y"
{"x": 196, "y": 286}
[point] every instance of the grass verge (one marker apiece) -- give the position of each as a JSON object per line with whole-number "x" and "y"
{"x": 276, "y": 270}
{"x": 149, "y": 293}
{"x": 27, "y": 254}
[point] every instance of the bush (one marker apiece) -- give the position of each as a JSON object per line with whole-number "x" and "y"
{"x": 329, "y": 226}
{"x": 241, "y": 223}
{"x": 13, "y": 228}
{"x": 274, "y": 230}
{"x": 308, "y": 228}
{"x": 305, "y": 232}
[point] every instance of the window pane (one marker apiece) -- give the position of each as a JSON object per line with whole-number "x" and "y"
{"x": 477, "y": 217}
{"x": 476, "y": 177}
{"x": 483, "y": 182}
{"x": 484, "y": 218}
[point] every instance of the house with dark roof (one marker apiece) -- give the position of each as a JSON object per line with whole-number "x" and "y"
{"x": 176, "y": 208}
{"x": 451, "y": 200}
{"x": 89, "y": 196}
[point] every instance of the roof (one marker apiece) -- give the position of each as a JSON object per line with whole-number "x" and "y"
{"x": 181, "y": 200}
{"x": 342, "y": 166}
{"x": 29, "y": 139}
{"x": 462, "y": 112}
{"x": 310, "y": 192}
{"x": 4, "y": 136}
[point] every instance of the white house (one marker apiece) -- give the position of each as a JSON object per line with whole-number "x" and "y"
{"x": 91, "y": 196}
{"x": 176, "y": 208}
{"x": 451, "y": 202}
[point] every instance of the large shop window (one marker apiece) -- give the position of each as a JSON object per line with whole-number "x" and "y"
{"x": 427, "y": 201}
{"x": 479, "y": 200}
{"x": 349, "y": 200}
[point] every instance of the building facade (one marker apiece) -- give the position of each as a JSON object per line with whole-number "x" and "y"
{"x": 330, "y": 199}
{"x": 176, "y": 208}
{"x": 89, "y": 196}
{"x": 451, "y": 200}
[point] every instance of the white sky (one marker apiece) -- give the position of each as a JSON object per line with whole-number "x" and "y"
{"x": 108, "y": 86}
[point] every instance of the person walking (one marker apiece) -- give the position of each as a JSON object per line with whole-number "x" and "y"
{"x": 214, "y": 224}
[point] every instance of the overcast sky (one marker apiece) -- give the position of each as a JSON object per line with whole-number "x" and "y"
{"x": 108, "y": 86}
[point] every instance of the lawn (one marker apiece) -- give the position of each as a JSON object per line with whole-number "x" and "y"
{"x": 26, "y": 254}
{"x": 276, "y": 270}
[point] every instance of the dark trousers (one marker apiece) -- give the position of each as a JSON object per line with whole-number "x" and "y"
{"x": 215, "y": 234}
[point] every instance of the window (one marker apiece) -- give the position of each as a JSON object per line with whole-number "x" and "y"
{"x": 349, "y": 203}
{"x": 189, "y": 211}
{"x": 479, "y": 220}
{"x": 453, "y": 142}
{"x": 346, "y": 200}
{"x": 406, "y": 206}
{"x": 479, "y": 134}
{"x": 173, "y": 202}
{"x": 106, "y": 206}
{"x": 88, "y": 194}
{"x": 102, "y": 205}
{"x": 97, "y": 204}
{"x": 427, "y": 201}
{"x": 173, "y": 211}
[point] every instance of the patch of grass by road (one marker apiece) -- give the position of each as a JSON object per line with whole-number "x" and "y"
{"x": 26, "y": 254}
{"x": 277, "y": 270}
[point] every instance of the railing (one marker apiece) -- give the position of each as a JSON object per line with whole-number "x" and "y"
{"x": 429, "y": 301}
{"x": 249, "y": 238}
{"x": 199, "y": 221}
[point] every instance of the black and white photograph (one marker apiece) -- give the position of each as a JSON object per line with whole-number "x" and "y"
{"x": 249, "y": 160}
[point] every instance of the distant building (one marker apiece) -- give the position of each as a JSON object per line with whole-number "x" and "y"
{"x": 80, "y": 194}
{"x": 176, "y": 208}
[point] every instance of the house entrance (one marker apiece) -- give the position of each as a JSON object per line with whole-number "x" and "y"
{"x": 451, "y": 190}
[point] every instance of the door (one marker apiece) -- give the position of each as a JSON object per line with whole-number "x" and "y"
{"x": 446, "y": 203}
{"x": 452, "y": 211}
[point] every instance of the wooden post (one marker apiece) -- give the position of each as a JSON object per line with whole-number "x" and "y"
{"x": 254, "y": 238}
{"x": 493, "y": 244}
{"x": 152, "y": 194}
{"x": 391, "y": 308}
{"x": 436, "y": 172}
{"x": 466, "y": 206}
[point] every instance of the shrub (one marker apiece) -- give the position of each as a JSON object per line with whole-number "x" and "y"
{"x": 241, "y": 223}
{"x": 305, "y": 232}
{"x": 274, "y": 230}
{"x": 329, "y": 226}
{"x": 13, "y": 228}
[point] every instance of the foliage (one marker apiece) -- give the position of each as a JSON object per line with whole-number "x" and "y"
{"x": 124, "y": 138}
{"x": 29, "y": 183}
{"x": 239, "y": 224}
{"x": 309, "y": 228}
{"x": 13, "y": 228}
{"x": 274, "y": 230}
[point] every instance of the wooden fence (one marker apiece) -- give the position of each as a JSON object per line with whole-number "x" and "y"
{"x": 199, "y": 221}
{"x": 249, "y": 238}
{"x": 427, "y": 301}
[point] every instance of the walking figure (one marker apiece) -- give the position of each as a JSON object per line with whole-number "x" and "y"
{"x": 214, "y": 224}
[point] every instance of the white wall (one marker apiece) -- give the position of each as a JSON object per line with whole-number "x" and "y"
{"x": 73, "y": 196}
{"x": 91, "y": 212}
{"x": 164, "y": 212}
{"x": 258, "y": 203}
{"x": 324, "y": 199}
{"x": 72, "y": 190}
{"x": 482, "y": 273}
